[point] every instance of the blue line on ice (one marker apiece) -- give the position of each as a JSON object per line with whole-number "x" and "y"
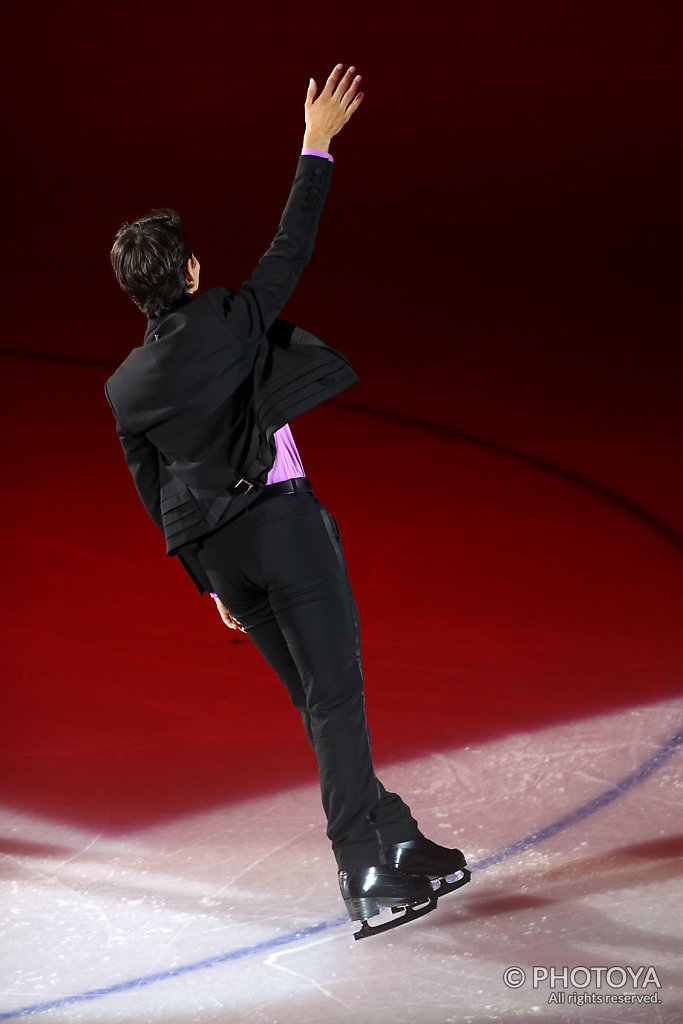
{"x": 629, "y": 782}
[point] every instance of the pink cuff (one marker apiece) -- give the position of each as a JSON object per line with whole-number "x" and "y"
{"x": 318, "y": 152}
{"x": 213, "y": 595}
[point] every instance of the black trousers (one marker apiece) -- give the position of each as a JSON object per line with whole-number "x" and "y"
{"x": 280, "y": 570}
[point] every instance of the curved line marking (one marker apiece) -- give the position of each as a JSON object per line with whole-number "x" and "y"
{"x": 635, "y": 778}
{"x": 664, "y": 529}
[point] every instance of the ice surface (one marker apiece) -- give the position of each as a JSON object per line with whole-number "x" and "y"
{"x": 235, "y": 915}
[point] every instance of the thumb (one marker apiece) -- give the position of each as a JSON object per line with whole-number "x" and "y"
{"x": 312, "y": 90}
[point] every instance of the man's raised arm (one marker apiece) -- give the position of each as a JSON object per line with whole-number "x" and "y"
{"x": 272, "y": 282}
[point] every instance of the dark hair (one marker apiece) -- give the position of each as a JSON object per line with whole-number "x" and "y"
{"x": 149, "y": 258}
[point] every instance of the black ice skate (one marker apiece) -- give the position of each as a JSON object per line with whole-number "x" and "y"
{"x": 415, "y": 859}
{"x": 365, "y": 890}
{"x": 411, "y": 895}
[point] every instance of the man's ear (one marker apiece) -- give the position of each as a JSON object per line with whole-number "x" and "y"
{"x": 189, "y": 270}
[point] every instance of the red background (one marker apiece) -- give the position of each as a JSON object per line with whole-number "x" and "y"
{"x": 499, "y": 259}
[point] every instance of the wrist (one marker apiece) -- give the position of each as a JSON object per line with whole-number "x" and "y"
{"x": 316, "y": 141}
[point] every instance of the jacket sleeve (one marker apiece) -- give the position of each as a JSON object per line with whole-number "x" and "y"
{"x": 265, "y": 292}
{"x": 142, "y": 460}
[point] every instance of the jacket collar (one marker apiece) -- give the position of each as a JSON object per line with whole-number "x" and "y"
{"x": 155, "y": 322}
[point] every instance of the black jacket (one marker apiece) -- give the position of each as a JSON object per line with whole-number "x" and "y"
{"x": 198, "y": 403}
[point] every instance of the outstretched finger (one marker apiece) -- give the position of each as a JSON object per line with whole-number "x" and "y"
{"x": 355, "y": 103}
{"x": 344, "y": 83}
{"x": 333, "y": 80}
{"x": 350, "y": 93}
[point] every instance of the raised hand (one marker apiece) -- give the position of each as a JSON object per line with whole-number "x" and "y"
{"x": 336, "y": 104}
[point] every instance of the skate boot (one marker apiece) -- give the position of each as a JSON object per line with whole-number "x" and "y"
{"x": 423, "y": 857}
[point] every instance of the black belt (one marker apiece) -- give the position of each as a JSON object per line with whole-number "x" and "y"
{"x": 298, "y": 485}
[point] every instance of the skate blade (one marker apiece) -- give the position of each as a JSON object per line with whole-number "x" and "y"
{"x": 410, "y": 913}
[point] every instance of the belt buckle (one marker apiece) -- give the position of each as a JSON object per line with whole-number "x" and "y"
{"x": 241, "y": 481}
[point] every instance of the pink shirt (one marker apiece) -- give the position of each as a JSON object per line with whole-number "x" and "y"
{"x": 287, "y": 463}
